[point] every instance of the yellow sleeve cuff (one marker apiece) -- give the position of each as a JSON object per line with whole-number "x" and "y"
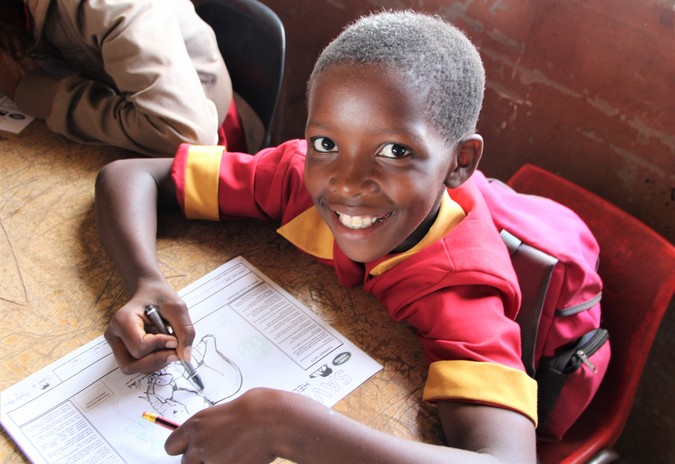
{"x": 202, "y": 174}
{"x": 483, "y": 383}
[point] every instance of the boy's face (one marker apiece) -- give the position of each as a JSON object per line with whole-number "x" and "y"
{"x": 375, "y": 168}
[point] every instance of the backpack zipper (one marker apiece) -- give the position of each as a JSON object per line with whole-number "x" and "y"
{"x": 584, "y": 359}
{"x": 587, "y": 349}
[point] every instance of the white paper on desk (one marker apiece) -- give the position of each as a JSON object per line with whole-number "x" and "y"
{"x": 11, "y": 119}
{"x": 250, "y": 333}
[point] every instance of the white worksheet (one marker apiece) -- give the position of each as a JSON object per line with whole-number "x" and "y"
{"x": 250, "y": 333}
{"x": 11, "y": 118}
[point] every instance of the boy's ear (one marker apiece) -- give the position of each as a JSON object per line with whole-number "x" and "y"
{"x": 467, "y": 156}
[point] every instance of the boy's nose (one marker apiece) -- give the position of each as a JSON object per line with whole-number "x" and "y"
{"x": 353, "y": 176}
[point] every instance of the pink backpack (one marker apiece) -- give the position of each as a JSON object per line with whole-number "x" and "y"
{"x": 555, "y": 257}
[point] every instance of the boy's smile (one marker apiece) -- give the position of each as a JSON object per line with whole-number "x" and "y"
{"x": 375, "y": 168}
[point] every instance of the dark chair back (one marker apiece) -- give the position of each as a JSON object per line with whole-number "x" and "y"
{"x": 252, "y": 41}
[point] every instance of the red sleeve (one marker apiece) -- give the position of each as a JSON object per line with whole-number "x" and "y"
{"x": 178, "y": 173}
{"x": 465, "y": 322}
{"x": 214, "y": 184}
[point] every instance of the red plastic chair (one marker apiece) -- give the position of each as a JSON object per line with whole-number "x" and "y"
{"x": 637, "y": 266}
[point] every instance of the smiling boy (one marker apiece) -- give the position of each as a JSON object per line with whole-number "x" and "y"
{"x": 384, "y": 188}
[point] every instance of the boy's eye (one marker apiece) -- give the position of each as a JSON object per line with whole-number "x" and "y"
{"x": 324, "y": 144}
{"x": 394, "y": 150}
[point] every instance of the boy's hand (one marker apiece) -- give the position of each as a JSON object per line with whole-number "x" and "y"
{"x": 136, "y": 343}
{"x": 13, "y": 41}
{"x": 14, "y": 64}
{"x": 242, "y": 430}
{"x": 12, "y": 71}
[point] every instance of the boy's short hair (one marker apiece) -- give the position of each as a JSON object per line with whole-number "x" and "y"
{"x": 434, "y": 57}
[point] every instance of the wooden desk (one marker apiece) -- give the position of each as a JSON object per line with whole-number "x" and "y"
{"x": 58, "y": 286}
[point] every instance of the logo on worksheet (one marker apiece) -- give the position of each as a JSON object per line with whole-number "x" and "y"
{"x": 341, "y": 358}
{"x": 323, "y": 371}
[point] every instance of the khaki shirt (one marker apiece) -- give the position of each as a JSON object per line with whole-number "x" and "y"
{"x": 144, "y": 75}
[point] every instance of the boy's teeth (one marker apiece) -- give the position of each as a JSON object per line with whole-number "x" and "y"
{"x": 356, "y": 222}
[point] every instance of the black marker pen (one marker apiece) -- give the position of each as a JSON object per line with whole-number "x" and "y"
{"x": 156, "y": 319}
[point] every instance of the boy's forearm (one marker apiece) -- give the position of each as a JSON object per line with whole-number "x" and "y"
{"x": 126, "y": 218}
{"x": 316, "y": 434}
{"x": 266, "y": 423}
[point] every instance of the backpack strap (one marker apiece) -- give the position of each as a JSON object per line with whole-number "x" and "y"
{"x": 534, "y": 269}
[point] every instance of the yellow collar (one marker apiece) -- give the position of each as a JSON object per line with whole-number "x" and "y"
{"x": 310, "y": 233}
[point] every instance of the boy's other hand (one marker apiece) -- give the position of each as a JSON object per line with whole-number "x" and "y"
{"x": 242, "y": 430}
